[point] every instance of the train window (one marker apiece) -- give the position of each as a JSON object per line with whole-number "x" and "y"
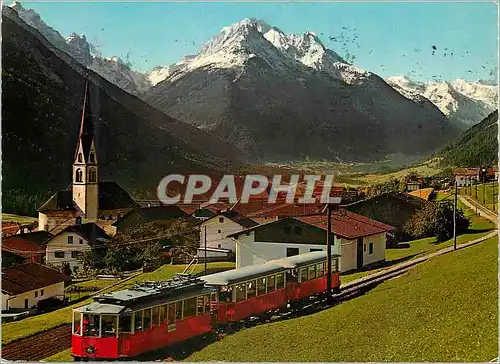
{"x": 77, "y": 323}
{"x": 271, "y": 283}
{"x": 207, "y": 303}
{"x": 292, "y": 276}
{"x": 240, "y": 292}
{"x": 163, "y": 313}
{"x": 280, "y": 281}
{"x": 147, "y": 318}
{"x": 125, "y": 323}
{"x": 251, "y": 289}
{"x": 178, "y": 311}
{"x": 190, "y": 307}
{"x": 226, "y": 294}
{"x": 171, "y": 313}
{"x": 156, "y": 316}
{"x": 261, "y": 286}
{"x": 320, "y": 269}
{"x": 213, "y": 297}
{"x": 200, "y": 305}
{"x": 91, "y": 325}
{"x": 303, "y": 274}
{"x": 109, "y": 325}
{"x": 138, "y": 321}
{"x": 312, "y": 272}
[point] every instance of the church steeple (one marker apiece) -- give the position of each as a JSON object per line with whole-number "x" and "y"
{"x": 85, "y": 172}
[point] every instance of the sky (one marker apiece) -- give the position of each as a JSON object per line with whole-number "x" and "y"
{"x": 390, "y": 39}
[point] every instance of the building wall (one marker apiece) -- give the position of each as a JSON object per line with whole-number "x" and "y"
{"x": 54, "y": 224}
{"x": 217, "y": 233}
{"x": 60, "y": 243}
{"x": 249, "y": 252}
{"x": 466, "y": 180}
{"x": 17, "y": 301}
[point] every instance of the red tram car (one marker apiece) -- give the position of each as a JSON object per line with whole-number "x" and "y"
{"x": 153, "y": 315}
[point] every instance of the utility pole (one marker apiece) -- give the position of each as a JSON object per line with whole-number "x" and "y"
{"x": 455, "y": 218}
{"x": 205, "y": 239}
{"x": 329, "y": 251}
{"x": 493, "y": 195}
{"x": 484, "y": 193}
{"x": 475, "y": 186}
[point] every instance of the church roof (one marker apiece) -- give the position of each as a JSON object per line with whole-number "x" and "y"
{"x": 111, "y": 197}
{"x": 86, "y": 126}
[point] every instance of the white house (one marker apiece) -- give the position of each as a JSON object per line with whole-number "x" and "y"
{"x": 24, "y": 285}
{"x": 359, "y": 240}
{"x": 467, "y": 176}
{"x": 219, "y": 226}
{"x": 68, "y": 245}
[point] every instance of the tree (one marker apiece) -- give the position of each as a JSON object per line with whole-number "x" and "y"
{"x": 144, "y": 245}
{"x": 436, "y": 219}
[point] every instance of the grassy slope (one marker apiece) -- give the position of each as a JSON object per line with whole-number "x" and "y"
{"x": 17, "y": 218}
{"x": 413, "y": 318}
{"x": 30, "y": 326}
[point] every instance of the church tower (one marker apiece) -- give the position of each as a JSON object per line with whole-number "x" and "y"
{"x": 85, "y": 167}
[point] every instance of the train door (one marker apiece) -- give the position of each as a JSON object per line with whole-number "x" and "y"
{"x": 360, "y": 254}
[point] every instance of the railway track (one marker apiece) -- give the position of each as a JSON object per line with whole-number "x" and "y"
{"x": 39, "y": 346}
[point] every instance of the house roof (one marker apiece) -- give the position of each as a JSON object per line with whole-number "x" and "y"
{"x": 348, "y": 224}
{"x": 345, "y": 224}
{"x": 23, "y": 244}
{"x": 111, "y": 197}
{"x": 28, "y": 277}
{"x": 236, "y": 217}
{"x": 467, "y": 171}
{"x": 91, "y": 232}
{"x": 9, "y": 227}
{"x": 155, "y": 213}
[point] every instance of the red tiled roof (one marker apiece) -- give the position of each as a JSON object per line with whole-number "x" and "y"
{"x": 466, "y": 171}
{"x": 25, "y": 244}
{"x": 28, "y": 277}
{"x": 348, "y": 224}
{"x": 9, "y": 228}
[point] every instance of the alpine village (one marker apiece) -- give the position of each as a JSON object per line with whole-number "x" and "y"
{"x": 398, "y": 264}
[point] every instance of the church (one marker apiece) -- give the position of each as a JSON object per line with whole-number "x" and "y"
{"x": 86, "y": 199}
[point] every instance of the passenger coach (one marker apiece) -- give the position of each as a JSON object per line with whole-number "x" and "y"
{"x": 256, "y": 289}
{"x": 149, "y": 316}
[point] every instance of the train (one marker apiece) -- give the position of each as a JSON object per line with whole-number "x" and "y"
{"x": 154, "y": 315}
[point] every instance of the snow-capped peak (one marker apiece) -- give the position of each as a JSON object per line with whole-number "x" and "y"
{"x": 461, "y": 101}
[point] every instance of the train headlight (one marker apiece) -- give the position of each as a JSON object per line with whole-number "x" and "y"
{"x": 90, "y": 350}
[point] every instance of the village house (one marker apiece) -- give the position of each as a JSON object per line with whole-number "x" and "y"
{"x": 71, "y": 243}
{"x": 86, "y": 199}
{"x": 219, "y": 226}
{"x": 10, "y": 228}
{"x": 360, "y": 241}
{"x": 414, "y": 182}
{"x": 467, "y": 176}
{"x": 24, "y": 248}
{"x": 25, "y": 285}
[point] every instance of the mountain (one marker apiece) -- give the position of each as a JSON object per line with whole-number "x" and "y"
{"x": 112, "y": 69}
{"x": 282, "y": 96}
{"x": 478, "y": 146}
{"x": 464, "y": 103}
{"x": 42, "y": 95}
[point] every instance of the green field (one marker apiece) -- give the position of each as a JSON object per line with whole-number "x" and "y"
{"x": 442, "y": 310}
{"x": 17, "y": 330}
{"x": 98, "y": 284}
{"x": 18, "y": 218}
